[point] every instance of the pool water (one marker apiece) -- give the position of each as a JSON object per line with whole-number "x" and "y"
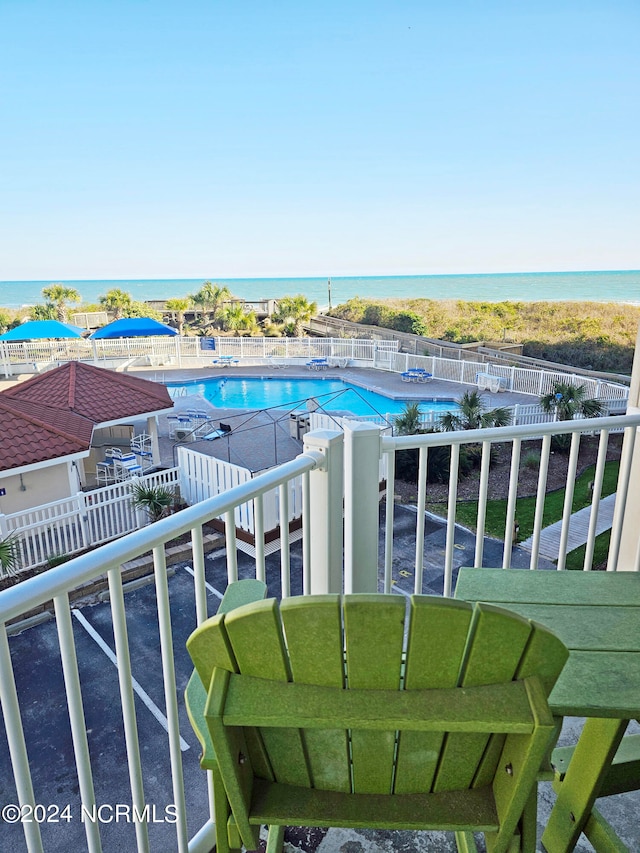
{"x": 268, "y": 392}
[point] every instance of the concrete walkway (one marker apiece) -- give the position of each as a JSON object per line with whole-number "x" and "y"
{"x": 578, "y": 530}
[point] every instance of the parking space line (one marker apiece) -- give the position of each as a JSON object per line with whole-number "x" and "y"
{"x": 211, "y": 589}
{"x": 398, "y": 589}
{"x": 148, "y": 701}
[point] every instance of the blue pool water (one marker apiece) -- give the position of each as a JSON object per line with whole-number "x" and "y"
{"x": 265, "y": 393}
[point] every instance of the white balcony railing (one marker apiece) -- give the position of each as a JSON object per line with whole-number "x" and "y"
{"x": 339, "y": 552}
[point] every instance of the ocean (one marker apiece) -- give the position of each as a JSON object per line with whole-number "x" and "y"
{"x": 611, "y": 286}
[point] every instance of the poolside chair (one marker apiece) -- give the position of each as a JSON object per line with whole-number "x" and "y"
{"x": 365, "y": 711}
{"x": 141, "y": 445}
{"x": 125, "y": 465}
{"x": 222, "y": 431}
{"x": 105, "y": 472}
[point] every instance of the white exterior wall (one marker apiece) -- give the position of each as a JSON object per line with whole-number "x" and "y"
{"x": 41, "y": 486}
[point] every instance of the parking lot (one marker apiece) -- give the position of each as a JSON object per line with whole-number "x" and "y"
{"x": 36, "y": 657}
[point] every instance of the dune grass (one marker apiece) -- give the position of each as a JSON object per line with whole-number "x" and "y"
{"x": 594, "y": 335}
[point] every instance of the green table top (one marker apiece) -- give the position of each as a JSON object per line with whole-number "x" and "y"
{"x": 596, "y": 615}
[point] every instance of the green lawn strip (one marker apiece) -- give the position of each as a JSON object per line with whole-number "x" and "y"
{"x": 467, "y": 511}
{"x": 575, "y": 559}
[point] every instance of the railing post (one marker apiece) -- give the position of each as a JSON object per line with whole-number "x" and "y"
{"x": 361, "y": 507}
{"x": 625, "y": 517}
{"x": 324, "y": 521}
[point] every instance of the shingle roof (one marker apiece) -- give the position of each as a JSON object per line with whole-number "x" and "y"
{"x": 53, "y": 415}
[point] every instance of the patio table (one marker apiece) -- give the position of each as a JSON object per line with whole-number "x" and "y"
{"x": 597, "y": 616}
{"x": 226, "y": 360}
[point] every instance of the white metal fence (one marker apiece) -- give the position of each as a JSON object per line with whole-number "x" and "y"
{"x": 85, "y": 520}
{"x": 522, "y": 380}
{"x": 337, "y": 471}
{"x": 124, "y": 353}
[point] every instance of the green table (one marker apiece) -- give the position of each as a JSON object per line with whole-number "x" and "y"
{"x": 597, "y": 615}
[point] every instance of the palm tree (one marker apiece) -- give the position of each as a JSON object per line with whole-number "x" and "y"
{"x": 43, "y": 311}
{"x": 408, "y": 422}
{"x": 9, "y": 559}
{"x": 293, "y": 312}
{"x": 472, "y": 414}
{"x": 178, "y": 306}
{"x": 154, "y": 500}
{"x": 117, "y": 302}
{"x": 58, "y": 295}
{"x": 569, "y": 401}
{"x": 210, "y": 298}
{"x": 234, "y": 318}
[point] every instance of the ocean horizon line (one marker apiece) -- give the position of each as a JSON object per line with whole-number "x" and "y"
{"x": 317, "y": 276}
{"x": 622, "y": 286}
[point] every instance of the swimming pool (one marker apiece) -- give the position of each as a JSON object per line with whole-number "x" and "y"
{"x": 267, "y": 392}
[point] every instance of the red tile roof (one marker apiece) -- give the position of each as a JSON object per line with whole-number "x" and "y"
{"x": 99, "y": 394}
{"x": 27, "y": 437}
{"x": 53, "y": 415}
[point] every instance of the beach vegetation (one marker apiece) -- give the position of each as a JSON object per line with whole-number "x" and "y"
{"x": 179, "y": 306}
{"x": 293, "y": 312}
{"x": 8, "y": 320}
{"x": 590, "y": 335}
{"x": 121, "y": 304}
{"x": 210, "y": 300}
{"x": 43, "y": 311}
{"x": 59, "y": 296}
{"x": 141, "y": 309}
{"x": 116, "y": 302}
{"x": 270, "y": 329}
{"x": 234, "y": 318}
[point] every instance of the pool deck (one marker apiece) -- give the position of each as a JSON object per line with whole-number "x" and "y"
{"x": 383, "y": 381}
{"x": 262, "y": 439}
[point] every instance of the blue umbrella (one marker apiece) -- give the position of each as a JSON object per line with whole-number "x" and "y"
{"x": 133, "y": 327}
{"x": 37, "y": 329}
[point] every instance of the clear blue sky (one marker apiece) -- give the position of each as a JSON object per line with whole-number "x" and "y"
{"x": 276, "y": 138}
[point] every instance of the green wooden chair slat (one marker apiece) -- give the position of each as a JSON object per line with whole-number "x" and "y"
{"x": 368, "y": 711}
{"x": 374, "y": 638}
{"x": 320, "y": 662}
{"x": 256, "y": 637}
{"x": 433, "y": 618}
{"x": 494, "y": 651}
{"x": 209, "y": 647}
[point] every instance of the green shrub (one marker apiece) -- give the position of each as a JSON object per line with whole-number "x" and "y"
{"x": 9, "y": 559}
{"x": 531, "y": 460}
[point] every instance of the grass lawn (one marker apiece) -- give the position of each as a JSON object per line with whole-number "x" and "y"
{"x": 467, "y": 511}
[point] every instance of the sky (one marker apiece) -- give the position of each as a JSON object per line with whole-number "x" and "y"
{"x": 247, "y": 138}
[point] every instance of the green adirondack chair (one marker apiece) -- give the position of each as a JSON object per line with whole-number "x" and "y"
{"x": 368, "y": 711}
